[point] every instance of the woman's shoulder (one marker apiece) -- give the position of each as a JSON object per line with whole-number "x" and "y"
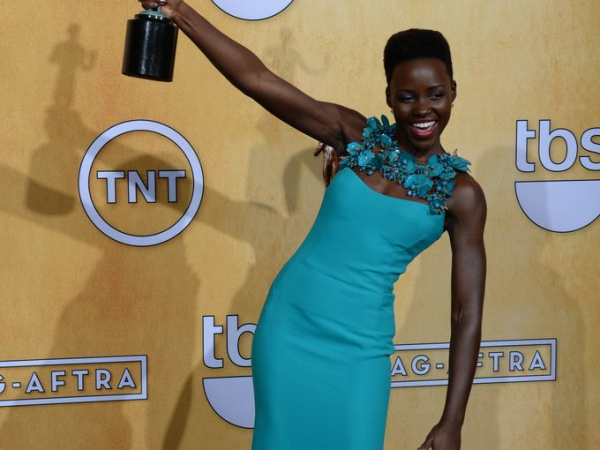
{"x": 468, "y": 196}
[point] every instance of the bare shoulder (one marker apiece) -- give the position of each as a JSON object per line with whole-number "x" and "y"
{"x": 467, "y": 203}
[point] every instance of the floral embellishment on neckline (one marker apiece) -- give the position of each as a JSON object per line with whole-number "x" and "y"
{"x": 432, "y": 180}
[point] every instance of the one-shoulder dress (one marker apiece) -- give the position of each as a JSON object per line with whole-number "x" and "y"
{"x": 321, "y": 351}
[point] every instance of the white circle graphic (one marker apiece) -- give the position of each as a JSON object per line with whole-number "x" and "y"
{"x": 252, "y": 10}
{"x": 560, "y": 206}
{"x": 232, "y": 398}
{"x": 84, "y": 183}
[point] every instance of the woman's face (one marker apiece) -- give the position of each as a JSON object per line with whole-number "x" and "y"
{"x": 420, "y": 94}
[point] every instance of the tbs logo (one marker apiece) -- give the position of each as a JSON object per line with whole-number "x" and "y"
{"x": 125, "y": 183}
{"x": 564, "y": 205}
{"x": 232, "y": 398}
{"x": 254, "y": 10}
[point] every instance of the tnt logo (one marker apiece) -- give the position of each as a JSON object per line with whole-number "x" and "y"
{"x": 254, "y": 10}
{"x": 135, "y": 184}
{"x": 141, "y": 183}
{"x": 564, "y": 205}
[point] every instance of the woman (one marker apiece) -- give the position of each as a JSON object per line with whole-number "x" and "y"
{"x": 321, "y": 350}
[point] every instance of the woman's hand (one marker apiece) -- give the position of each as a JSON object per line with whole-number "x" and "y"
{"x": 169, "y": 7}
{"x": 330, "y": 162}
{"x": 442, "y": 437}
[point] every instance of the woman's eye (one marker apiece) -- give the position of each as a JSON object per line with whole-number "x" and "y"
{"x": 405, "y": 98}
{"x": 436, "y": 95}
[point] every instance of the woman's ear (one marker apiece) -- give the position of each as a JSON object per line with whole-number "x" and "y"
{"x": 387, "y": 97}
{"x": 453, "y": 87}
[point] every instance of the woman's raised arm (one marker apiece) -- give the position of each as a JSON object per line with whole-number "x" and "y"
{"x": 326, "y": 122}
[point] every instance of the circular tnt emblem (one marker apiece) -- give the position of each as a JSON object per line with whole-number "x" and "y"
{"x": 254, "y": 10}
{"x": 141, "y": 189}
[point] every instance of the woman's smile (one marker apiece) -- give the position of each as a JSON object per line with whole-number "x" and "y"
{"x": 423, "y": 130}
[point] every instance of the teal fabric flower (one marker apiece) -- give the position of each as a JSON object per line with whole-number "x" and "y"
{"x": 435, "y": 166}
{"x": 437, "y": 203}
{"x": 459, "y": 163}
{"x": 447, "y": 173}
{"x": 353, "y": 148}
{"x": 374, "y": 124}
{"x": 385, "y": 121}
{"x": 408, "y": 164}
{"x": 365, "y": 158}
{"x": 419, "y": 185}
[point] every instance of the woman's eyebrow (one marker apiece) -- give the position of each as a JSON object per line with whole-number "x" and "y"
{"x": 429, "y": 88}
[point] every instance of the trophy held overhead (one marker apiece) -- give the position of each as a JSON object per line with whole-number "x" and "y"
{"x": 150, "y": 46}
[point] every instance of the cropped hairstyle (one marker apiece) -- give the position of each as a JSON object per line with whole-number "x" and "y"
{"x": 416, "y": 43}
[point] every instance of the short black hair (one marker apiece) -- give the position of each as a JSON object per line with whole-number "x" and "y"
{"x": 416, "y": 43}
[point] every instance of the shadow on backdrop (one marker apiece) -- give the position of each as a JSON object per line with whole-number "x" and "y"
{"x": 121, "y": 291}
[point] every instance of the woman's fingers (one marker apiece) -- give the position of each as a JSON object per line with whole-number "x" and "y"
{"x": 168, "y": 6}
{"x": 153, "y": 4}
{"x": 330, "y": 162}
{"x": 149, "y": 5}
{"x": 427, "y": 444}
{"x": 335, "y": 165}
{"x": 319, "y": 149}
{"x": 326, "y": 172}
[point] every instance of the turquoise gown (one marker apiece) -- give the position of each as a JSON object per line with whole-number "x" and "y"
{"x": 321, "y": 351}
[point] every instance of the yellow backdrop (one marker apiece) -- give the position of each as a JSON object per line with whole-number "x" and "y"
{"x": 70, "y": 292}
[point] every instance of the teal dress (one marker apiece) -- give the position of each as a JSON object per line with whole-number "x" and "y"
{"x": 321, "y": 351}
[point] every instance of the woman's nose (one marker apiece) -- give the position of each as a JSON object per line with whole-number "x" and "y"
{"x": 422, "y": 107}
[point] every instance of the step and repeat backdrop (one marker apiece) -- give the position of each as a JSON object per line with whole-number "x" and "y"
{"x": 143, "y": 222}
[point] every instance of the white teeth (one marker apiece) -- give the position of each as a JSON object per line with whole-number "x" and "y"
{"x": 423, "y": 125}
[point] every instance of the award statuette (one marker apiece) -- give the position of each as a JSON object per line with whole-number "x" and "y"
{"x": 150, "y": 46}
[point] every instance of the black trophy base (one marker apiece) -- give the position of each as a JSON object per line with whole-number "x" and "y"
{"x": 150, "y": 46}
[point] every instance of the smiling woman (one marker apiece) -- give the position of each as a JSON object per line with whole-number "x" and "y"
{"x": 322, "y": 346}
{"x": 421, "y": 88}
